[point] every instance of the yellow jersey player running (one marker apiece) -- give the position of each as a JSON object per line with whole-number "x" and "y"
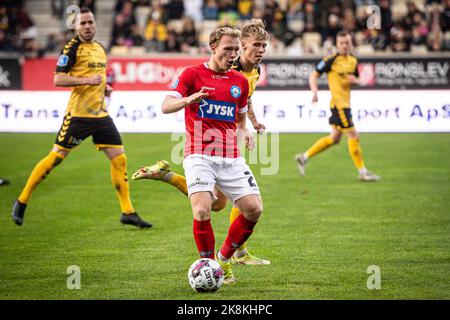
{"x": 342, "y": 71}
{"x": 254, "y": 39}
{"x": 82, "y": 65}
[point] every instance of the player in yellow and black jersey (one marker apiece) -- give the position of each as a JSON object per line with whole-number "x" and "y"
{"x": 248, "y": 65}
{"x": 342, "y": 71}
{"x": 254, "y": 39}
{"x": 82, "y": 66}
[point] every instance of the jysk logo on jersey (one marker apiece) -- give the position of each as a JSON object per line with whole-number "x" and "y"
{"x": 218, "y": 110}
{"x": 62, "y": 60}
{"x": 235, "y": 91}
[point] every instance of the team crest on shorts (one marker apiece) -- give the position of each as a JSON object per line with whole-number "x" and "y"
{"x": 235, "y": 91}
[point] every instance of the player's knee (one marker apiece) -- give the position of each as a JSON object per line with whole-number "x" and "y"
{"x": 335, "y": 139}
{"x": 201, "y": 213}
{"x": 354, "y": 135}
{"x": 120, "y": 161}
{"x": 253, "y": 212}
{"x": 58, "y": 157}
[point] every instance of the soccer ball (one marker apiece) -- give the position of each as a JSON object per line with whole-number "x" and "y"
{"x": 205, "y": 275}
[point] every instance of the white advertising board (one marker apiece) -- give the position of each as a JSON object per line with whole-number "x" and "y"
{"x": 280, "y": 111}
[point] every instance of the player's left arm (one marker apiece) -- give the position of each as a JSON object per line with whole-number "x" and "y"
{"x": 259, "y": 127}
{"x": 354, "y": 77}
{"x": 241, "y": 126}
{"x": 242, "y": 132}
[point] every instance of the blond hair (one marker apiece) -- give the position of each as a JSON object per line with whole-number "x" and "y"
{"x": 218, "y": 33}
{"x": 255, "y": 28}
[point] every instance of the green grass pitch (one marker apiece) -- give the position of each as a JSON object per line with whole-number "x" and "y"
{"x": 321, "y": 232}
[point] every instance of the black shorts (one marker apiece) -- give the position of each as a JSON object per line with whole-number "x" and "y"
{"x": 75, "y": 129}
{"x": 341, "y": 119}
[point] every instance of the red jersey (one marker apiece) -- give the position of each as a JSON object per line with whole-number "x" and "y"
{"x": 211, "y": 124}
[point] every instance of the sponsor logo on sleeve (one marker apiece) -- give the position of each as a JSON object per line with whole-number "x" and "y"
{"x": 321, "y": 65}
{"x": 62, "y": 60}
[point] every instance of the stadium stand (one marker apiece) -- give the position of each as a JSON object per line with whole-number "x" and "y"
{"x": 139, "y": 27}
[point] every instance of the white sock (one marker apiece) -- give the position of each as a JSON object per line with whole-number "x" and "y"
{"x": 240, "y": 253}
{"x": 221, "y": 257}
{"x": 167, "y": 176}
{"x": 305, "y": 156}
{"x": 363, "y": 170}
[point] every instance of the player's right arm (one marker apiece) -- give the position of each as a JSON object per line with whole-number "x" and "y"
{"x": 181, "y": 96}
{"x": 314, "y": 86}
{"x": 323, "y": 66}
{"x": 173, "y": 104}
{"x": 65, "y": 80}
{"x": 66, "y": 61}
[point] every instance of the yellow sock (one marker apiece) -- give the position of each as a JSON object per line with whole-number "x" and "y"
{"x": 40, "y": 171}
{"x": 119, "y": 179}
{"x": 319, "y": 146}
{"x": 354, "y": 148}
{"x": 177, "y": 181}
{"x": 233, "y": 216}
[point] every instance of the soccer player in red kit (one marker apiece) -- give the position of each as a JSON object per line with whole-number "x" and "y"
{"x": 214, "y": 98}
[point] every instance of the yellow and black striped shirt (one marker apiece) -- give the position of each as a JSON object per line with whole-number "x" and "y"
{"x": 85, "y": 59}
{"x": 338, "y": 67}
{"x": 252, "y": 76}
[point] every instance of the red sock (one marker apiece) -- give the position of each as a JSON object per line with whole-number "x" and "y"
{"x": 239, "y": 232}
{"x": 204, "y": 238}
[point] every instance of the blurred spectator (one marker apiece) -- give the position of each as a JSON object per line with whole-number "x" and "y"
{"x": 121, "y": 31}
{"x": 280, "y": 29}
{"x": 141, "y": 11}
{"x": 435, "y": 39}
{"x": 155, "y": 33}
{"x": 419, "y": 30}
{"x": 269, "y": 13}
{"x": 294, "y": 10}
{"x": 228, "y": 6}
{"x": 88, "y": 4}
{"x": 175, "y": 9}
{"x": 228, "y": 14}
{"x": 53, "y": 43}
{"x": 4, "y": 19}
{"x": 446, "y": 16}
{"x": 244, "y": 8}
{"x": 211, "y": 10}
{"x": 399, "y": 38}
{"x": 332, "y": 29}
{"x": 311, "y": 18}
{"x": 412, "y": 10}
{"x": 349, "y": 21}
{"x": 5, "y": 44}
{"x": 173, "y": 43}
{"x": 145, "y": 22}
{"x": 58, "y": 8}
{"x": 119, "y": 5}
{"x": 193, "y": 9}
{"x": 157, "y": 6}
{"x": 128, "y": 13}
{"x": 188, "y": 32}
{"x": 136, "y": 37}
{"x": 386, "y": 24}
